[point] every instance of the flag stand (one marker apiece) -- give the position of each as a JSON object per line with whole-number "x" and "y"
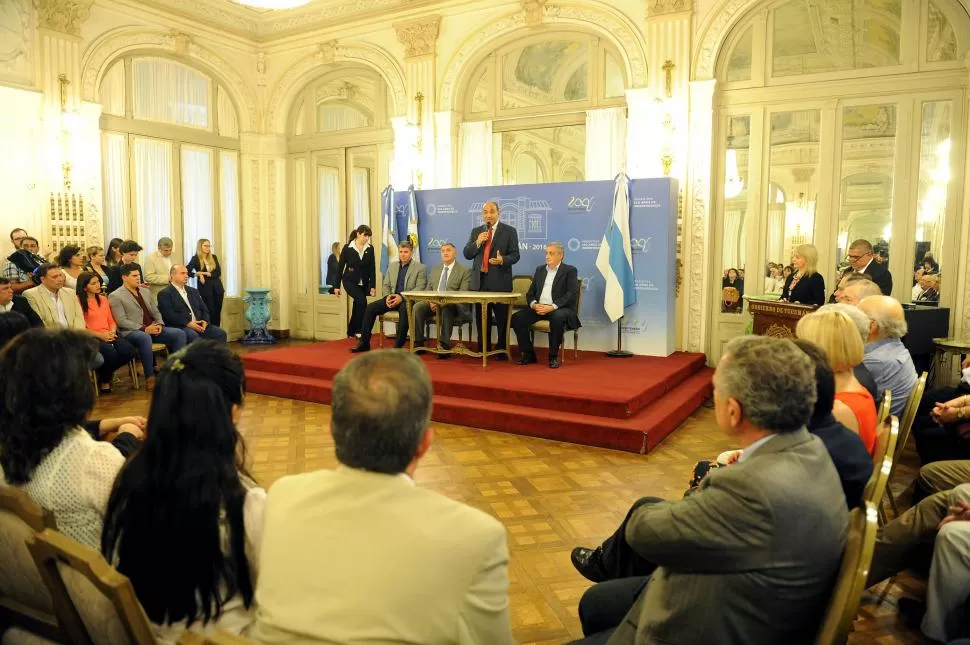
{"x": 619, "y": 352}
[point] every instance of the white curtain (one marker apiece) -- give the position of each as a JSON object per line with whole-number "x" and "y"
{"x": 113, "y": 90}
{"x": 328, "y": 191}
{"x": 230, "y": 257}
{"x": 153, "y": 190}
{"x": 776, "y": 234}
{"x": 166, "y": 91}
{"x": 115, "y": 185}
{"x": 732, "y": 233}
{"x": 361, "y": 197}
{"x": 333, "y": 116}
{"x": 605, "y": 143}
{"x": 197, "y": 199}
{"x": 476, "y": 153}
{"x": 228, "y": 121}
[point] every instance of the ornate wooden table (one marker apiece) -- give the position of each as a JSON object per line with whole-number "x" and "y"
{"x": 483, "y": 298}
{"x": 778, "y": 319}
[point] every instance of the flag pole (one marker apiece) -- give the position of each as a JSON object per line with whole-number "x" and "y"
{"x": 619, "y": 352}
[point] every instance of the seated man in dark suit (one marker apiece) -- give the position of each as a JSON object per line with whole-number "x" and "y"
{"x": 406, "y": 274}
{"x": 751, "y": 556}
{"x": 552, "y": 296}
{"x": 9, "y": 301}
{"x": 183, "y": 308}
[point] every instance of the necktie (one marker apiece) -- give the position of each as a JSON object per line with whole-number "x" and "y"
{"x": 488, "y": 250}
{"x": 443, "y": 283}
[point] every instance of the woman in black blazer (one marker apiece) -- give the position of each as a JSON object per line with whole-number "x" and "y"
{"x": 333, "y": 263}
{"x": 357, "y": 271}
{"x": 806, "y": 286}
{"x": 205, "y": 266}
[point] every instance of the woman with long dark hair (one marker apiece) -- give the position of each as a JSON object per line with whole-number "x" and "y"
{"x": 71, "y": 261}
{"x": 45, "y": 397}
{"x": 99, "y": 320}
{"x": 185, "y": 519}
{"x": 205, "y": 266}
{"x": 113, "y": 253}
{"x": 357, "y": 272}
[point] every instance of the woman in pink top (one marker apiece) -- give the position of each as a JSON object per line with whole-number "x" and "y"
{"x": 835, "y": 332}
{"x": 98, "y": 320}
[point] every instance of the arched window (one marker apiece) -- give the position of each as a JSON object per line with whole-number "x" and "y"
{"x": 535, "y": 91}
{"x": 170, "y": 137}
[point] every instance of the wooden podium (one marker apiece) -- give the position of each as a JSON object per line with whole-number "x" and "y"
{"x": 778, "y": 319}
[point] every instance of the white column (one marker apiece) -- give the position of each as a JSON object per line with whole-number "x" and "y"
{"x": 642, "y": 153}
{"x": 446, "y": 143}
{"x": 419, "y": 38}
{"x": 697, "y": 217}
{"x": 405, "y": 153}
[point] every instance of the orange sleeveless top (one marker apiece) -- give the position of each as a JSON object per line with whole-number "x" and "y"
{"x": 864, "y": 409}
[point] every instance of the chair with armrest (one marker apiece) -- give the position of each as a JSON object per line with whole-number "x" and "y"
{"x": 542, "y": 326}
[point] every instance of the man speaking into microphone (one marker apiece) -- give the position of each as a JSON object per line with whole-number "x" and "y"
{"x": 493, "y": 249}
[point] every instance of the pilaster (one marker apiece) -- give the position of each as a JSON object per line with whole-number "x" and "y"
{"x": 446, "y": 140}
{"x": 419, "y": 38}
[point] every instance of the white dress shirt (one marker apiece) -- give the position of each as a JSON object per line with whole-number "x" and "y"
{"x": 545, "y": 296}
{"x": 58, "y": 305}
{"x": 185, "y": 297}
{"x": 7, "y": 307}
{"x": 446, "y": 272}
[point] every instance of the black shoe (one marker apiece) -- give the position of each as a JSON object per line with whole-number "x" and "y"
{"x": 361, "y": 347}
{"x": 499, "y": 357}
{"x": 443, "y": 357}
{"x": 553, "y": 364}
{"x": 587, "y": 562}
{"x": 402, "y": 344}
{"x": 527, "y": 359}
{"x": 911, "y": 612}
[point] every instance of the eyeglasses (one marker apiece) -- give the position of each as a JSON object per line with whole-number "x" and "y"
{"x": 853, "y": 258}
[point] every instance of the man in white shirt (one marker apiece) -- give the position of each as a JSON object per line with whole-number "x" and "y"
{"x": 55, "y": 304}
{"x": 182, "y": 307}
{"x": 447, "y": 276}
{"x": 552, "y": 297}
{"x": 159, "y": 265}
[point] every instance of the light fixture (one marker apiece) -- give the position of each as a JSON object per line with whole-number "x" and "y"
{"x": 273, "y": 4}
{"x": 733, "y": 184}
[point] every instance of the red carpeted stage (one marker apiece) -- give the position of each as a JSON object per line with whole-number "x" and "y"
{"x": 627, "y": 404}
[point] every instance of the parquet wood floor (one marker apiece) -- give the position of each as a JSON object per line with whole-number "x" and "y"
{"x": 551, "y": 496}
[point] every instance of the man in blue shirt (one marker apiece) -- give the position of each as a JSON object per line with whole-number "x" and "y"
{"x": 886, "y": 357}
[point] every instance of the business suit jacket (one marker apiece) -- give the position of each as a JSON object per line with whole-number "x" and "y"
{"x": 127, "y": 311}
{"x": 175, "y": 312}
{"x": 350, "y": 556}
{"x": 416, "y": 278}
{"x": 849, "y": 455}
{"x": 880, "y": 275}
{"x": 565, "y": 291}
{"x": 810, "y": 290}
{"x": 156, "y": 272}
{"x": 357, "y": 270}
{"x": 505, "y": 240}
{"x": 22, "y": 306}
{"x": 749, "y": 558}
{"x": 333, "y": 276}
{"x": 45, "y": 310}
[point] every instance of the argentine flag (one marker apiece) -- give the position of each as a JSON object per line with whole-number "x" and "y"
{"x": 389, "y": 241}
{"x": 413, "y": 224}
{"x": 615, "y": 258}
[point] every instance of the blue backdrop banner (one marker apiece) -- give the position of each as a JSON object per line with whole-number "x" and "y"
{"x": 575, "y": 214}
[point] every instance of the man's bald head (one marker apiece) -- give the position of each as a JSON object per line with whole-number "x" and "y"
{"x": 855, "y": 292}
{"x": 178, "y": 275}
{"x": 885, "y": 315}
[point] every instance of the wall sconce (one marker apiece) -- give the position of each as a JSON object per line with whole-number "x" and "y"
{"x": 419, "y": 142}
{"x": 70, "y": 121}
{"x": 733, "y": 184}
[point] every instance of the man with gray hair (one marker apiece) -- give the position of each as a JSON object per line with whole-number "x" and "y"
{"x": 855, "y": 291}
{"x": 159, "y": 265}
{"x": 447, "y": 276}
{"x": 407, "y": 274}
{"x": 751, "y": 556}
{"x": 862, "y": 373}
{"x": 362, "y": 553}
{"x": 886, "y": 357}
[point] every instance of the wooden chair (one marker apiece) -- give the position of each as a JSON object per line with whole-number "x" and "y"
{"x": 882, "y": 462}
{"x": 542, "y": 326}
{"x": 218, "y": 637}
{"x": 905, "y": 427}
{"x": 84, "y": 585}
{"x": 391, "y": 316}
{"x": 850, "y": 583}
{"x": 25, "y": 603}
{"x": 885, "y": 408}
{"x": 460, "y": 322}
{"x": 94, "y": 383}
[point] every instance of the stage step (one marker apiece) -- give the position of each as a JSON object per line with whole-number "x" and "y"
{"x": 639, "y": 433}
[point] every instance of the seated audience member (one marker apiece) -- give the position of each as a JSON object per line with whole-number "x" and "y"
{"x": 856, "y": 290}
{"x": 447, "y": 276}
{"x": 552, "y": 296}
{"x": 404, "y": 275}
{"x": 55, "y": 304}
{"x": 845, "y": 280}
{"x": 929, "y": 290}
{"x": 615, "y": 559}
{"x": 20, "y": 264}
{"x": 886, "y": 356}
{"x": 98, "y": 320}
{"x": 140, "y": 321}
{"x": 948, "y": 587}
{"x": 9, "y": 301}
{"x": 861, "y": 321}
{"x": 129, "y": 250}
{"x": 12, "y": 324}
{"x": 44, "y": 448}
{"x": 71, "y": 262}
{"x": 838, "y": 337}
{"x": 159, "y": 265}
{"x": 736, "y": 563}
{"x": 124, "y": 433}
{"x": 363, "y": 554}
{"x": 945, "y": 432}
{"x": 182, "y": 307}
{"x": 96, "y": 265}
{"x": 185, "y": 518}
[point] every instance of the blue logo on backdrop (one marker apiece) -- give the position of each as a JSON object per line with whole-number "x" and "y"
{"x": 575, "y": 214}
